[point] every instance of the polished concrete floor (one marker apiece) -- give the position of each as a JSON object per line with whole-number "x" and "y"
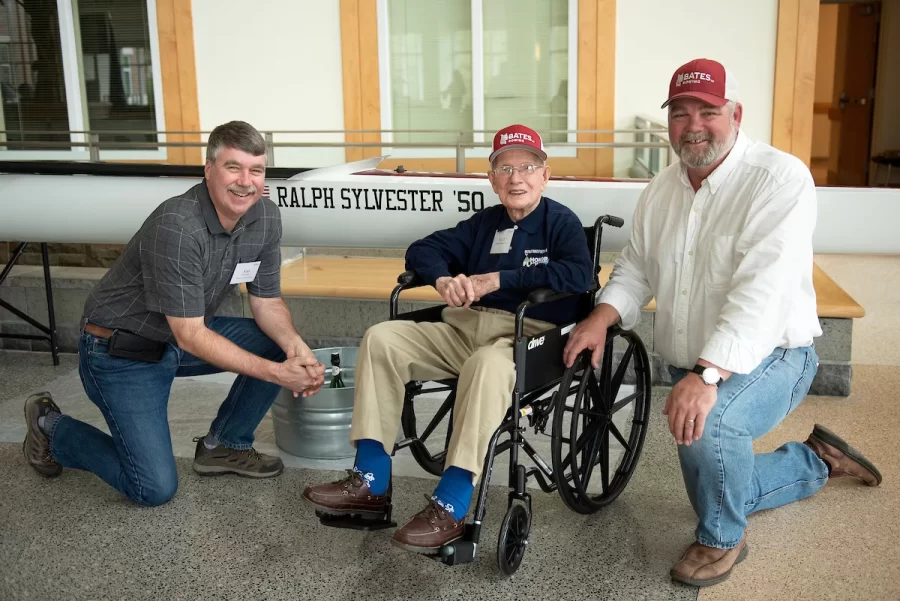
{"x": 232, "y": 538}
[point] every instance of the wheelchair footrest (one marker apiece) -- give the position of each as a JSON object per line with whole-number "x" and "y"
{"x": 461, "y": 550}
{"x": 356, "y": 521}
{"x": 457, "y": 552}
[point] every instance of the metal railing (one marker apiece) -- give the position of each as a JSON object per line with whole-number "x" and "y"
{"x": 650, "y": 160}
{"x": 649, "y": 142}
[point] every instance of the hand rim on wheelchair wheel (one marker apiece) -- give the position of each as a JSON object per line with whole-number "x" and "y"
{"x": 591, "y": 410}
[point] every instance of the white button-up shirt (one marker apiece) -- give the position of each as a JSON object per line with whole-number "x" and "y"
{"x": 730, "y": 266}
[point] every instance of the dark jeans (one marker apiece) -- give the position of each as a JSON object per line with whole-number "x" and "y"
{"x": 137, "y": 460}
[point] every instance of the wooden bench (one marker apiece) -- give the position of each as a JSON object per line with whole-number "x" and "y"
{"x": 335, "y": 299}
{"x": 374, "y": 278}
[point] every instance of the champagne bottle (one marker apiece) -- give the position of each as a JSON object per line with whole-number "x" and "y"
{"x": 337, "y": 381}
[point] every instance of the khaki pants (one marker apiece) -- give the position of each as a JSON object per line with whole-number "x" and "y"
{"x": 475, "y": 345}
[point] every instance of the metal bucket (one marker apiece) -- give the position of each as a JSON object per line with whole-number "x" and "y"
{"x": 318, "y": 427}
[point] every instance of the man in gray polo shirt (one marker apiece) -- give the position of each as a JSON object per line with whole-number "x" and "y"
{"x": 151, "y": 319}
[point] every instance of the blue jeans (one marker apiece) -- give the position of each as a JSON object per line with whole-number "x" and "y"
{"x": 137, "y": 460}
{"x": 725, "y": 481}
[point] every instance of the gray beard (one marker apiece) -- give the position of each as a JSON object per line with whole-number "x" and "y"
{"x": 696, "y": 158}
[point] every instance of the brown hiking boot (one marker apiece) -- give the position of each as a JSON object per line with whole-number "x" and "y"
{"x": 348, "y": 496}
{"x": 842, "y": 459}
{"x": 222, "y": 460}
{"x": 37, "y": 445}
{"x": 702, "y": 566}
{"x": 429, "y": 530}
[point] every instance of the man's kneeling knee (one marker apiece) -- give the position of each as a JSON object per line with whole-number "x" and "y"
{"x": 154, "y": 493}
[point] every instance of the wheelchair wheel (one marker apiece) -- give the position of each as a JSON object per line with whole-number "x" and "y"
{"x": 435, "y": 437}
{"x": 592, "y": 426}
{"x": 513, "y": 538}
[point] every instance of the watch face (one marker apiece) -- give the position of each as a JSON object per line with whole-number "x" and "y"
{"x": 710, "y": 375}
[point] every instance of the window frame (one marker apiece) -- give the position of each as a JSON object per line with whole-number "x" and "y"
{"x": 73, "y": 77}
{"x": 477, "y": 83}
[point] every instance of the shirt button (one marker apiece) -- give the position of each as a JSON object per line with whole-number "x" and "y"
{"x": 690, "y": 253}
{"x": 680, "y": 331}
{"x": 683, "y": 292}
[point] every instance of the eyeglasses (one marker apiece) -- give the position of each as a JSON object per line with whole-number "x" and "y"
{"x": 507, "y": 170}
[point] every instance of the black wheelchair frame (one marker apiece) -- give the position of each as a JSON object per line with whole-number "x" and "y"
{"x": 539, "y": 368}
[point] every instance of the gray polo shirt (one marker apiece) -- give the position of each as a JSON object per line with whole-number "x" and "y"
{"x": 180, "y": 263}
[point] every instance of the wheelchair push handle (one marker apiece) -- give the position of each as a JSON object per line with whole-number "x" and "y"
{"x": 611, "y": 220}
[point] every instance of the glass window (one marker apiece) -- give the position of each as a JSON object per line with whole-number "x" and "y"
{"x": 521, "y": 72}
{"x": 32, "y": 81}
{"x": 430, "y": 67}
{"x": 118, "y": 80}
{"x": 526, "y": 54}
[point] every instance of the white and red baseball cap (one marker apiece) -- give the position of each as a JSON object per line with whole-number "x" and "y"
{"x": 704, "y": 79}
{"x": 518, "y": 136}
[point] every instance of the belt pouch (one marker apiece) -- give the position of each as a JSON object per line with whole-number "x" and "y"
{"x": 137, "y": 348}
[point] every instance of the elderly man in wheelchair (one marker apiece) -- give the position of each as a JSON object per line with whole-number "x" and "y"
{"x": 485, "y": 269}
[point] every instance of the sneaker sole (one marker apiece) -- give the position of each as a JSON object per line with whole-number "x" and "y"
{"x": 215, "y": 470}
{"x": 366, "y": 513}
{"x": 828, "y": 437}
{"x": 701, "y": 583}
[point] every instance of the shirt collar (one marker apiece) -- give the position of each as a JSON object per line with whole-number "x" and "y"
{"x": 211, "y": 217}
{"x": 209, "y": 210}
{"x": 721, "y": 173}
{"x": 531, "y": 223}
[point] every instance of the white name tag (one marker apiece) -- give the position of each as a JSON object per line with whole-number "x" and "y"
{"x": 502, "y": 241}
{"x": 245, "y": 272}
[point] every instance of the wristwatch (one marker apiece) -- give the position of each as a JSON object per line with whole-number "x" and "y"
{"x": 710, "y": 375}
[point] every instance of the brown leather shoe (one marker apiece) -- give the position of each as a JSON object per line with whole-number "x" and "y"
{"x": 429, "y": 530}
{"x": 842, "y": 459}
{"x": 702, "y": 566}
{"x": 351, "y": 495}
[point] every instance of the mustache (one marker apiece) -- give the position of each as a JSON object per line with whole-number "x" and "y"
{"x": 242, "y": 189}
{"x": 689, "y": 137}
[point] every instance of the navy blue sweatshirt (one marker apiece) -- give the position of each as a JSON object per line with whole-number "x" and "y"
{"x": 548, "y": 250}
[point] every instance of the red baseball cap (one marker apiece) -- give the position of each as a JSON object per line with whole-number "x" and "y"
{"x": 518, "y": 136}
{"x": 704, "y": 79}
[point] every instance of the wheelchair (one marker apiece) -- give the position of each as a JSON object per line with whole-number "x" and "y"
{"x": 580, "y": 401}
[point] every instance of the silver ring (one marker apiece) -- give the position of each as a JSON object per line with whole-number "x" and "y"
{"x": 689, "y": 421}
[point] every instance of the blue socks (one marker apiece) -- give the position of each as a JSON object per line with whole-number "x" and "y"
{"x": 374, "y": 464}
{"x": 454, "y": 491}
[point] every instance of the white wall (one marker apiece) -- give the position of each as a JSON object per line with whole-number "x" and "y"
{"x": 277, "y": 66}
{"x": 655, "y": 37}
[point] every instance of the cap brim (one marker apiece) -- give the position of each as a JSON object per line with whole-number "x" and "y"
{"x": 709, "y": 98}
{"x": 531, "y": 149}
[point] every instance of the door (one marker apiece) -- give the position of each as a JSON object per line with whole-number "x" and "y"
{"x": 856, "y": 92}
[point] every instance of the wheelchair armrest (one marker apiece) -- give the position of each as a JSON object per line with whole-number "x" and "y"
{"x": 536, "y": 297}
{"x": 545, "y": 295}
{"x": 405, "y": 281}
{"x": 409, "y": 279}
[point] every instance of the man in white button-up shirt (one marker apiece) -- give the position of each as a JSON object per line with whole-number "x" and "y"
{"x": 723, "y": 241}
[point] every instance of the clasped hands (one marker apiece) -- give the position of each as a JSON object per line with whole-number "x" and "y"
{"x": 463, "y": 290}
{"x": 301, "y": 371}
